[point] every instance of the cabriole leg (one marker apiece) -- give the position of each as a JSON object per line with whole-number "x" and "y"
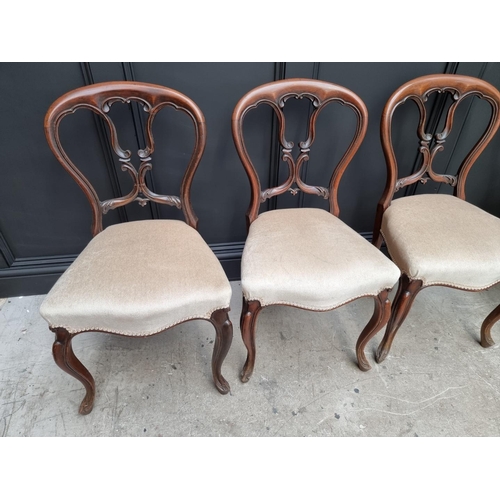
{"x": 223, "y": 338}
{"x": 380, "y": 317}
{"x": 66, "y": 360}
{"x": 248, "y": 321}
{"x": 407, "y": 291}
{"x": 491, "y": 319}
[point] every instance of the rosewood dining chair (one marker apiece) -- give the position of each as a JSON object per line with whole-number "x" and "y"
{"x": 306, "y": 257}
{"x": 437, "y": 239}
{"x": 135, "y": 278}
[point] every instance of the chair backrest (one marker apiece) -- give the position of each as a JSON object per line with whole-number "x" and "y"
{"x": 418, "y": 91}
{"x": 99, "y": 98}
{"x": 275, "y": 94}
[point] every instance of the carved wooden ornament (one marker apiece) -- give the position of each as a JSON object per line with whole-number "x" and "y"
{"x": 275, "y": 94}
{"x": 418, "y": 91}
{"x": 99, "y": 98}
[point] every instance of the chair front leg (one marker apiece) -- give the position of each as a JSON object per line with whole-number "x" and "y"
{"x": 66, "y": 360}
{"x": 407, "y": 291}
{"x": 248, "y": 320}
{"x": 380, "y": 317}
{"x": 491, "y": 319}
{"x": 223, "y": 339}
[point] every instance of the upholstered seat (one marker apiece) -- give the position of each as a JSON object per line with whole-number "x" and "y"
{"x": 308, "y": 258}
{"x": 443, "y": 240}
{"x": 138, "y": 278}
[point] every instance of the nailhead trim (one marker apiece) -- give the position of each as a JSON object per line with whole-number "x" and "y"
{"x": 443, "y": 283}
{"x": 128, "y": 334}
{"x": 308, "y": 308}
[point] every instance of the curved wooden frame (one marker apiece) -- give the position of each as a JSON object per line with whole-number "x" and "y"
{"x": 418, "y": 91}
{"x": 252, "y": 308}
{"x": 320, "y": 94}
{"x": 65, "y": 358}
{"x": 99, "y": 98}
{"x": 491, "y": 319}
{"x": 275, "y": 94}
{"x": 406, "y": 293}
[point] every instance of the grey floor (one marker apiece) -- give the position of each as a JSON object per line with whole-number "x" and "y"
{"x": 438, "y": 380}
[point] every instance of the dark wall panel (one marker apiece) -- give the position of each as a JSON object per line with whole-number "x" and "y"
{"x": 42, "y": 210}
{"x": 45, "y": 218}
{"x": 364, "y": 180}
{"x": 220, "y": 189}
{"x": 483, "y": 183}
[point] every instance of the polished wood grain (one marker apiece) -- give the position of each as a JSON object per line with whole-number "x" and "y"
{"x": 275, "y": 95}
{"x": 381, "y": 314}
{"x": 405, "y": 295}
{"x": 248, "y": 323}
{"x": 460, "y": 87}
{"x": 65, "y": 359}
{"x": 418, "y": 91}
{"x": 99, "y": 98}
{"x": 491, "y": 319}
{"x": 223, "y": 338}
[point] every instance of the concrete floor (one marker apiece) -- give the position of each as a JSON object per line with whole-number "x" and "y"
{"x": 438, "y": 380}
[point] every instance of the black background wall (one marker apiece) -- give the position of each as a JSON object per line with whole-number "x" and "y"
{"x": 45, "y": 218}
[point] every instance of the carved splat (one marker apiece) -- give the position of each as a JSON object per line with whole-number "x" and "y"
{"x": 276, "y": 94}
{"x": 140, "y": 187}
{"x": 294, "y": 165}
{"x": 437, "y": 140}
{"x": 294, "y": 178}
{"x": 418, "y": 91}
{"x": 99, "y": 98}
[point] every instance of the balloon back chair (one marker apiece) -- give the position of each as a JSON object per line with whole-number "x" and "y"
{"x": 306, "y": 257}
{"x": 437, "y": 239}
{"x": 135, "y": 278}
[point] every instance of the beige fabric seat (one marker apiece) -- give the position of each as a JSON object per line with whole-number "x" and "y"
{"x": 307, "y": 257}
{"x": 139, "y": 278}
{"x": 441, "y": 239}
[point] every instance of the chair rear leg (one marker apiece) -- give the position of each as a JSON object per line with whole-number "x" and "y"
{"x": 377, "y": 238}
{"x": 223, "y": 339}
{"x": 491, "y": 319}
{"x": 65, "y": 359}
{"x": 248, "y": 320}
{"x": 407, "y": 291}
{"x": 380, "y": 317}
